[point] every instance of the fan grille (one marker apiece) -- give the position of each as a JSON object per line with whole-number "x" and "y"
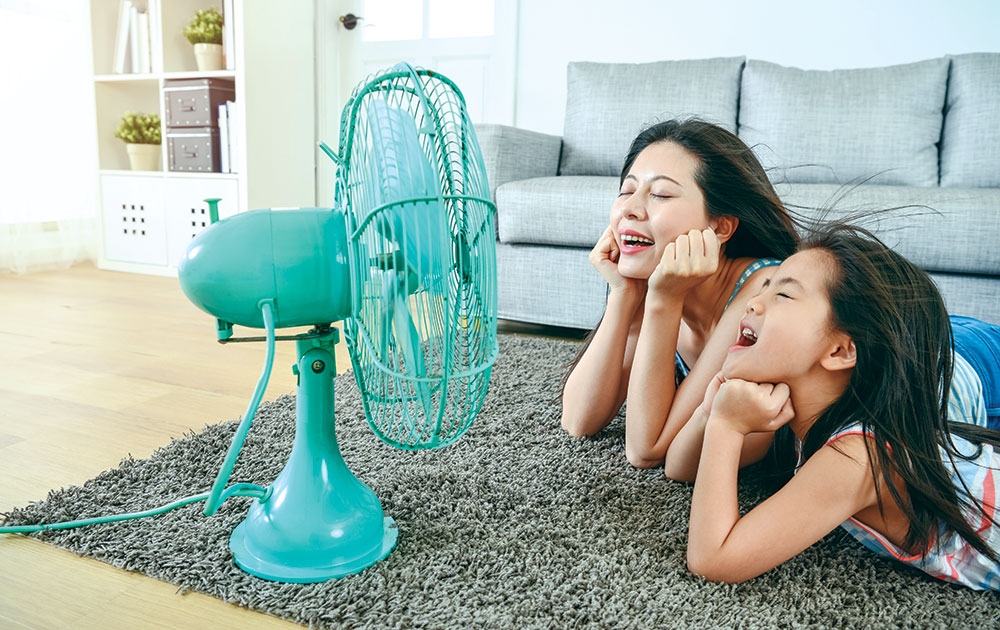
{"x": 422, "y": 334}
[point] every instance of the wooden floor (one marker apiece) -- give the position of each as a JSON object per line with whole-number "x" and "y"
{"x": 96, "y": 365}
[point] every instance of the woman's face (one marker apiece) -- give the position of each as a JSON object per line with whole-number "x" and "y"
{"x": 658, "y": 201}
{"x": 787, "y": 328}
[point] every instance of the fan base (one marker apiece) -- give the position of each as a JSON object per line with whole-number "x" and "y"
{"x": 277, "y": 571}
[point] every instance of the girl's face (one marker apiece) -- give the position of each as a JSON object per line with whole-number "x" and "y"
{"x": 658, "y": 201}
{"x": 787, "y": 329}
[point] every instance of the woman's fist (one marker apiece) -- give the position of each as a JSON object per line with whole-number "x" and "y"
{"x": 686, "y": 262}
{"x": 605, "y": 257}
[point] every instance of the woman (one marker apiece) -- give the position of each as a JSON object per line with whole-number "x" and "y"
{"x": 694, "y": 228}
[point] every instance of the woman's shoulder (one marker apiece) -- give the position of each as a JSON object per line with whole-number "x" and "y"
{"x": 751, "y": 274}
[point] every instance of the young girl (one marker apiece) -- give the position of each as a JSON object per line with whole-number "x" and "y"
{"x": 849, "y": 345}
{"x": 694, "y": 225}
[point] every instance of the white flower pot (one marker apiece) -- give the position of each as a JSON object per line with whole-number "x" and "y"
{"x": 144, "y": 157}
{"x": 209, "y": 56}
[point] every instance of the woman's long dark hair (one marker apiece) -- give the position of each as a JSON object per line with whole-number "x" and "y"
{"x": 732, "y": 182}
{"x": 899, "y": 388}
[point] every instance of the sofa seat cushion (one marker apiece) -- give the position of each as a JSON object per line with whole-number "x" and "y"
{"x": 970, "y": 145}
{"x": 950, "y": 230}
{"x": 839, "y": 126}
{"x": 608, "y": 104}
{"x": 573, "y": 295}
{"x": 564, "y": 211}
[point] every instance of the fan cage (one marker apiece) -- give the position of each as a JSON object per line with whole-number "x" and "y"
{"x": 422, "y": 250}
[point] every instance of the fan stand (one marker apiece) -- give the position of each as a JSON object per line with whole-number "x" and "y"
{"x": 317, "y": 521}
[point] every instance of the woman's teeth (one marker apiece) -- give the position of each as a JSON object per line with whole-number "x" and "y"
{"x": 747, "y": 337}
{"x": 634, "y": 240}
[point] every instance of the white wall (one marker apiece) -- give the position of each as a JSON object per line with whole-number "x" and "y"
{"x": 47, "y": 118}
{"x": 801, "y": 33}
{"x": 48, "y": 165}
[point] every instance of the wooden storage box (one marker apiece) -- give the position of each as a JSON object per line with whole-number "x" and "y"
{"x": 195, "y": 102}
{"x": 193, "y": 149}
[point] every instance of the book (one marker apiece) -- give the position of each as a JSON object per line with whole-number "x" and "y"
{"x": 133, "y": 33}
{"x": 234, "y": 136}
{"x": 122, "y": 36}
{"x": 224, "y": 137}
{"x": 155, "y": 37}
{"x": 142, "y": 27}
{"x": 228, "y": 45}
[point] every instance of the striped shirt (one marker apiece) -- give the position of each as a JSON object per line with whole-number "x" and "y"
{"x": 952, "y": 559}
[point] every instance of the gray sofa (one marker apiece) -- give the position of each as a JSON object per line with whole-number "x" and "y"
{"x": 925, "y": 133}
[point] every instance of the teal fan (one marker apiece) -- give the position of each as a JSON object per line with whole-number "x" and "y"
{"x": 406, "y": 259}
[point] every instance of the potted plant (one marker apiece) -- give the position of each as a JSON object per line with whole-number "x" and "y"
{"x": 205, "y": 32}
{"x": 141, "y": 133}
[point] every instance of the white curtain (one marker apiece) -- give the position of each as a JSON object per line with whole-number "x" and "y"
{"x": 48, "y": 144}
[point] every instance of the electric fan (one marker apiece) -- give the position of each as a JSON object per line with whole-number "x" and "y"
{"x": 406, "y": 259}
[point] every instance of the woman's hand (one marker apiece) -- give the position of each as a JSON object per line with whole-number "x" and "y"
{"x": 713, "y": 388}
{"x": 751, "y": 407}
{"x": 605, "y": 256}
{"x": 685, "y": 263}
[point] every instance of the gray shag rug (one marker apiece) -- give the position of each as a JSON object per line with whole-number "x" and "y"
{"x": 516, "y": 525}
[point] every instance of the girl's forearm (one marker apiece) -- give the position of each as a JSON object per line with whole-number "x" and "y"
{"x": 592, "y": 388}
{"x": 651, "y": 387}
{"x": 684, "y": 453}
{"x": 714, "y": 504}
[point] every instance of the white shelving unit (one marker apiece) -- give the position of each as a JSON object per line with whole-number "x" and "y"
{"x": 148, "y": 217}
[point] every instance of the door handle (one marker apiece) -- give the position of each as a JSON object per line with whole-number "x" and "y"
{"x": 350, "y": 21}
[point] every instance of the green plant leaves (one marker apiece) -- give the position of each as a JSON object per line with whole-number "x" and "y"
{"x": 205, "y": 27}
{"x": 138, "y": 128}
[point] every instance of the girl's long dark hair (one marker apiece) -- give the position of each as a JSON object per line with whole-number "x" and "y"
{"x": 732, "y": 182}
{"x": 899, "y": 388}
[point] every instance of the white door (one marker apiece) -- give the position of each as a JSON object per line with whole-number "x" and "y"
{"x": 472, "y": 42}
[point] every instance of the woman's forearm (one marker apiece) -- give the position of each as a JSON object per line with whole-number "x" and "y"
{"x": 592, "y": 394}
{"x": 651, "y": 387}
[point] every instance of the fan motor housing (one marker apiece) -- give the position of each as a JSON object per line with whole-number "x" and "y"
{"x": 296, "y": 258}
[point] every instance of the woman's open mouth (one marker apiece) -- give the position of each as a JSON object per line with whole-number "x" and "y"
{"x": 633, "y": 242}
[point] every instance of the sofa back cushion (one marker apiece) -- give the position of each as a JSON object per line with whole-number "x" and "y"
{"x": 837, "y": 126}
{"x": 608, "y": 104}
{"x": 970, "y": 145}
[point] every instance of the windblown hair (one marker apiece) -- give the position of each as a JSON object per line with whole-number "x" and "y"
{"x": 899, "y": 388}
{"x": 733, "y": 183}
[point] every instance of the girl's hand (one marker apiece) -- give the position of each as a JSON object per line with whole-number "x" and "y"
{"x": 686, "y": 262}
{"x": 751, "y": 407}
{"x": 605, "y": 256}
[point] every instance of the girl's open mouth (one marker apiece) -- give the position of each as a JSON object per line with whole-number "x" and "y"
{"x": 746, "y": 338}
{"x": 634, "y": 242}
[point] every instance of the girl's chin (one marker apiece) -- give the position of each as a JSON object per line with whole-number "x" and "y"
{"x": 733, "y": 367}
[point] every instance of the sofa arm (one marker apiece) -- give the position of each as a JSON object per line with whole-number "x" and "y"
{"x": 511, "y": 154}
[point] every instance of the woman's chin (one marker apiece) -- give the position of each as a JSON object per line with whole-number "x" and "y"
{"x": 627, "y": 269}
